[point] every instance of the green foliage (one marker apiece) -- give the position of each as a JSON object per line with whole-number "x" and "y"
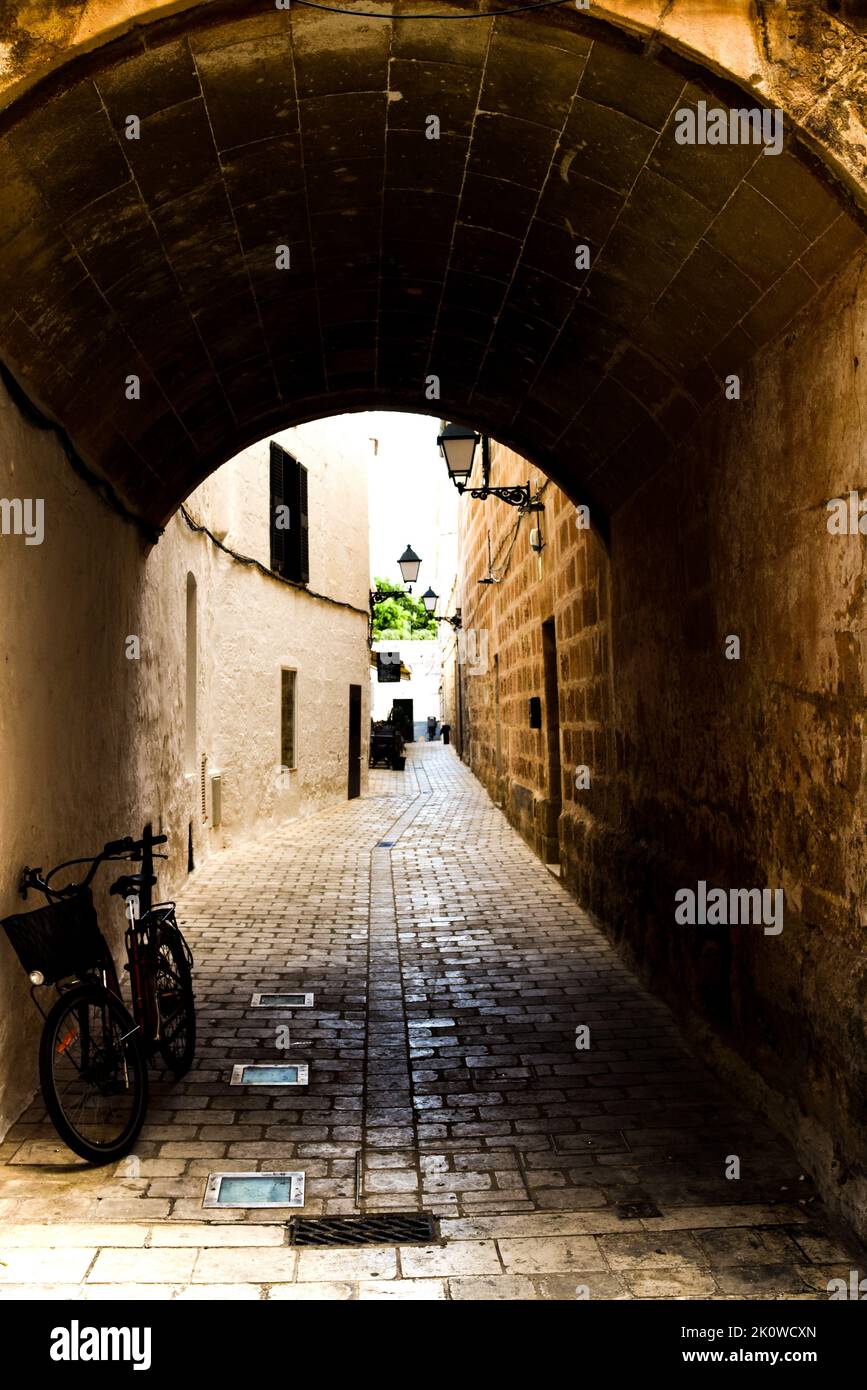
{"x": 400, "y": 616}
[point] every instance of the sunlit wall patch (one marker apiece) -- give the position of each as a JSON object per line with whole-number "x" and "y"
{"x": 254, "y": 1190}
{"x": 269, "y": 1074}
{"x": 291, "y": 1000}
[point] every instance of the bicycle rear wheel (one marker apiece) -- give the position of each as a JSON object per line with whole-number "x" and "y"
{"x": 173, "y": 990}
{"x": 93, "y": 1073}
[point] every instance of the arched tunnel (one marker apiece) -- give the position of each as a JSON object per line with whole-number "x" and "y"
{"x": 547, "y": 225}
{"x": 407, "y": 255}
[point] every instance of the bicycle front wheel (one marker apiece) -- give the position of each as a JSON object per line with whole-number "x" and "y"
{"x": 93, "y": 1073}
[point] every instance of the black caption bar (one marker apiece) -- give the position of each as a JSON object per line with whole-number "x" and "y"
{"x": 63, "y": 1341}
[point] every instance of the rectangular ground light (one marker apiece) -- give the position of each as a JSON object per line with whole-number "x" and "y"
{"x": 254, "y": 1190}
{"x": 269, "y": 1074}
{"x": 282, "y": 1001}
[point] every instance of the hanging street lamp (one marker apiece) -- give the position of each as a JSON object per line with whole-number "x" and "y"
{"x": 409, "y": 566}
{"x": 430, "y": 600}
{"x": 458, "y": 447}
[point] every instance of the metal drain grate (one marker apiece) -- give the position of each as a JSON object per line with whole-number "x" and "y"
{"x": 385, "y": 844}
{"x": 399, "y": 1228}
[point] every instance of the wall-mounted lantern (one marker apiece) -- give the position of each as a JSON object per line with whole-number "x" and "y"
{"x": 458, "y": 446}
{"x": 430, "y": 600}
{"x": 409, "y": 564}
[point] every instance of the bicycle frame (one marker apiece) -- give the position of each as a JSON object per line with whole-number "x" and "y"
{"x": 145, "y": 1008}
{"x": 94, "y": 1050}
{"x": 144, "y": 1005}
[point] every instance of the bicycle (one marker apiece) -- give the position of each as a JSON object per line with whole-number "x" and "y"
{"x": 94, "y": 1053}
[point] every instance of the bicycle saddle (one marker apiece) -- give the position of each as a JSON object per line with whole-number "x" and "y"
{"x": 131, "y": 884}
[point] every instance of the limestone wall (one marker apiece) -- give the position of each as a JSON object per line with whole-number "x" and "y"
{"x": 744, "y": 773}
{"x": 752, "y": 771}
{"x": 502, "y": 665}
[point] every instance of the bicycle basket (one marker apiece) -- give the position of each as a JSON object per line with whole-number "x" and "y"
{"x": 60, "y": 939}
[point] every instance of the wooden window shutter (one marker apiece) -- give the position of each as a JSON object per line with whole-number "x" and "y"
{"x": 290, "y": 548}
{"x": 278, "y": 536}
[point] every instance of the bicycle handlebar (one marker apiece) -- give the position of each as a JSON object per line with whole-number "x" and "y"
{"x": 34, "y": 878}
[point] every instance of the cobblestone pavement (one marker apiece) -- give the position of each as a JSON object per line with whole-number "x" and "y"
{"x": 450, "y": 970}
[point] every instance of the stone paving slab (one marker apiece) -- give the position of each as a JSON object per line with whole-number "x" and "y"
{"x": 450, "y": 971}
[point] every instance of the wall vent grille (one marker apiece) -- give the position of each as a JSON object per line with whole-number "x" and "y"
{"x": 216, "y": 798}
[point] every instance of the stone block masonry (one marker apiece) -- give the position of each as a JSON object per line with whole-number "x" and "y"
{"x": 746, "y": 772}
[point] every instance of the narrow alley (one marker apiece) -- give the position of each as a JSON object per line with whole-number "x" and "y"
{"x": 451, "y": 975}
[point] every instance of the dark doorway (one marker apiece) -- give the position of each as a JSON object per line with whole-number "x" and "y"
{"x": 498, "y": 734}
{"x": 402, "y": 714}
{"x": 354, "y": 741}
{"x": 550, "y": 830}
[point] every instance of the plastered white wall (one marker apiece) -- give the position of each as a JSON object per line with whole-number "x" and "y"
{"x": 424, "y": 660}
{"x": 92, "y": 743}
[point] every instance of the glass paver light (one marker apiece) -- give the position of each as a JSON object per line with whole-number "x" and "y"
{"x": 255, "y": 1190}
{"x": 270, "y": 1074}
{"x": 295, "y": 1000}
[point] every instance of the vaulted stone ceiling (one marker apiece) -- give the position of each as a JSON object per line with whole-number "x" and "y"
{"x": 409, "y": 256}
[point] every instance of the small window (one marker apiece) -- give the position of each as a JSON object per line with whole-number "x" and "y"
{"x": 287, "y": 718}
{"x": 192, "y": 679}
{"x": 290, "y": 554}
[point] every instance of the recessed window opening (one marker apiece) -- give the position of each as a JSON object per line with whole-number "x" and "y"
{"x": 192, "y": 675}
{"x": 288, "y": 681}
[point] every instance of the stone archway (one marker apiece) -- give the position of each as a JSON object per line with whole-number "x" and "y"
{"x": 455, "y": 258}
{"x": 407, "y": 257}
